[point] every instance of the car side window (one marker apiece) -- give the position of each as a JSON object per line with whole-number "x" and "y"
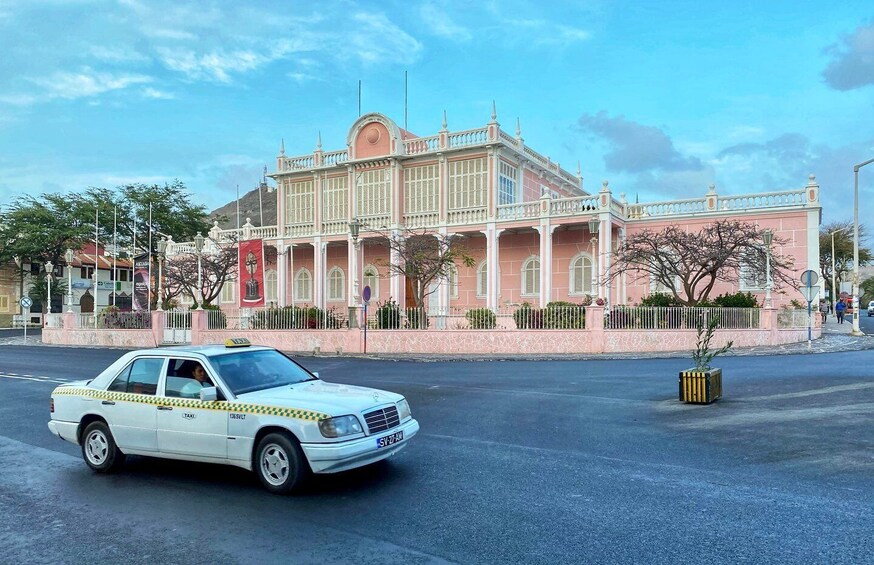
{"x": 144, "y": 375}
{"x": 120, "y": 382}
{"x": 180, "y": 382}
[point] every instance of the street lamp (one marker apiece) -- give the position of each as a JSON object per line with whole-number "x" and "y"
{"x": 354, "y": 231}
{"x": 49, "y": 267}
{"x": 834, "y": 282}
{"x": 198, "y": 246}
{"x": 856, "y": 330}
{"x": 69, "y": 258}
{"x": 767, "y": 238}
{"x": 594, "y": 226}
{"x": 162, "y": 249}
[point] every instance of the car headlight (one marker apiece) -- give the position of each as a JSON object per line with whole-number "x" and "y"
{"x": 404, "y": 410}
{"x": 340, "y": 426}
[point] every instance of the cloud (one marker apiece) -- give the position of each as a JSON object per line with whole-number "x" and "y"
{"x": 158, "y": 94}
{"x": 636, "y": 148}
{"x": 852, "y": 63}
{"x": 441, "y": 24}
{"x": 211, "y": 66}
{"x": 86, "y": 83}
{"x": 378, "y": 40}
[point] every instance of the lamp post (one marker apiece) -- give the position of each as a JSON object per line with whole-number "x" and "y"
{"x": 594, "y": 226}
{"x": 834, "y": 282}
{"x": 354, "y": 231}
{"x": 69, "y": 257}
{"x": 198, "y": 246}
{"x": 767, "y": 238}
{"x": 856, "y": 330}
{"x": 48, "y": 266}
{"x": 162, "y": 250}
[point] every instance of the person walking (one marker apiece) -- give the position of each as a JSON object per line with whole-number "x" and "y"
{"x": 823, "y": 309}
{"x": 839, "y": 311}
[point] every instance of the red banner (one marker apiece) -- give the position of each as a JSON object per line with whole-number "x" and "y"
{"x": 251, "y": 261}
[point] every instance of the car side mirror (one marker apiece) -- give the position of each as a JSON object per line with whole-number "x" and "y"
{"x": 316, "y": 374}
{"x": 208, "y": 394}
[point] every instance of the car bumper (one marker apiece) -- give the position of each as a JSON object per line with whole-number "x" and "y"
{"x": 336, "y": 457}
{"x": 65, "y": 430}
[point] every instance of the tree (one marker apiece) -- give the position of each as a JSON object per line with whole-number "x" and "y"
{"x": 689, "y": 264}
{"x": 867, "y": 291}
{"x": 38, "y": 290}
{"x": 218, "y": 265}
{"x": 843, "y": 236}
{"x": 423, "y": 257}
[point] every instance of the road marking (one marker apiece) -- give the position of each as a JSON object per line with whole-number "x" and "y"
{"x": 814, "y": 392}
{"x": 32, "y": 378}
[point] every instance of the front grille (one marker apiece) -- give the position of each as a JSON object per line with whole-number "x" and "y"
{"x": 383, "y": 419}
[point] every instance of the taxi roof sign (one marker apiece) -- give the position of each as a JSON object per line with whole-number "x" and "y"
{"x": 237, "y": 342}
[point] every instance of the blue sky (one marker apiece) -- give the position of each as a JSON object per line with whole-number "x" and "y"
{"x": 661, "y": 98}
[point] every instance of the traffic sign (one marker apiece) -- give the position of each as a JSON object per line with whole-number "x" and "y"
{"x": 809, "y": 278}
{"x": 26, "y": 302}
{"x": 366, "y": 293}
{"x": 809, "y": 292}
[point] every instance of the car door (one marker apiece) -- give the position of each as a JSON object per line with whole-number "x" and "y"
{"x": 186, "y": 425}
{"x": 129, "y": 404}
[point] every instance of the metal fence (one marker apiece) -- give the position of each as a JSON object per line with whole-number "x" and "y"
{"x": 54, "y": 320}
{"x": 139, "y": 320}
{"x": 285, "y": 318}
{"x": 679, "y": 318}
{"x": 795, "y": 318}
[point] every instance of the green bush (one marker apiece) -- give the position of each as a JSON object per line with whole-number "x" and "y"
{"x": 564, "y": 316}
{"x": 294, "y": 318}
{"x": 660, "y": 300}
{"x": 736, "y": 300}
{"x": 527, "y": 317}
{"x": 388, "y": 315}
{"x": 481, "y": 319}
{"x": 417, "y": 319}
{"x": 216, "y": 321}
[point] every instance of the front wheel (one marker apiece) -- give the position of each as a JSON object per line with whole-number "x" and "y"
{"x": 99, "y": 449}
{"x": 280, "y": 463}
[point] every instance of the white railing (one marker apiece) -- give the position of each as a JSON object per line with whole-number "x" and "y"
{"x": 137, "y": 320}
{"x": 469, "y": 137}
{"x": 334, "y": 158}
{"x": 679, "y": 318}
{"x": 519, "y": 211}
{"x": 421, "y": 220}
{"x": 263, "y": 232}
{"x": 334, "y": 227}
{"x": 555, "y": 317}
{"x": 468, "y": 216}
{"x": 509, "y": 139}
{"x": 299, "y": 230}
{"x": 573, "y": 206}
{"x": 536, "y": 156}
{"x": 421, "y": 145}
{"x": 573, "y": 179}
{"x": 671, "y": 208}
{"x": 86, "y": 321}
{"x": 795, "y": 318}
{"x": 758, "y": 201}
{"x": 298, "y": 163}
{"x": 54, "y": 320}
{"x": 287, "y": 318}
{"x": 617, "y": 207}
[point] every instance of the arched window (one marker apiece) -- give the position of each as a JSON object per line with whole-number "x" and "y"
{"x": 303, "y": 285}
{"x": 482, "y": 280}
{"x": 336, "y": 283}
{"x": 581, "y": 275}
{"x": 371, "y": 279}
{"x": 531, "y": 277}
{"x": 270, "y": 286}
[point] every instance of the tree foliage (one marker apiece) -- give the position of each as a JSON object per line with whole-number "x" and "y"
{"x": 689, "y": 264}
{"x": 423, "y": 257}
{"x": 843, "y": 237}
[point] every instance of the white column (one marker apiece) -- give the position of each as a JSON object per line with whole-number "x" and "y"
{"x": 281, "y": 272}
{"x": 545, "y": 232}
{"x": 318, "y": 272}
{"x": 606, "y": 258}
{"x": 493, "y": 280}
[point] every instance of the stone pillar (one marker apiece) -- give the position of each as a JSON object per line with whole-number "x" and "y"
{"x": 493, "y": 271}
{"x": 281, "y": 273}
{"x": 158, "y": 326}
{"x": 198, "y": 324}
{"x": 595, "y": 327}
{"x": 353, "y": 284}
{"x": 318, "y": 272}
{"x": 545, "y": 231}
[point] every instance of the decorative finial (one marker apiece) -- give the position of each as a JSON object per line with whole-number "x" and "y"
{"x": 518, "y": 128}
{"x": 264, "y": 176}
{"x": 605, "y": 183}
{"x": 711, "y": 189}
{"x": 811, "y": 178}
{"x": 579, "y": 170}
{"x": 444, "y": 119}
{"x": 494, "y": 111}
{"x": 282, "y": 147}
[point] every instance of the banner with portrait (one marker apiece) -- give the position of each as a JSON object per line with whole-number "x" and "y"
{"x": 251, "y": 273}
{"x": 142, "y": 284}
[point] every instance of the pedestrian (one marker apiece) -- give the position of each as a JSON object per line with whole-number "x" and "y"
{"x": 823, "y": 309}
{"x": 839, "y": 311}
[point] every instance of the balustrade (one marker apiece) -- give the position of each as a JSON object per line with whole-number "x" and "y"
{"x": 519, "y": 211}
{"x": 469, "y": 137}
{"x": 421, "y": 145}
{"x": 575, "y": 205}
{"x": 467, "y": 216}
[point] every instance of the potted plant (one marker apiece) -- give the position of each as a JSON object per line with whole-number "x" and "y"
{"x": 703, "y": 384}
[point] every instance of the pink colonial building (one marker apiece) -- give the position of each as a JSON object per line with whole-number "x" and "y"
{"x": 537, "y": 236}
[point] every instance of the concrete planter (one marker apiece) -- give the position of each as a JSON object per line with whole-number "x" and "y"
{"x": 700, "y": 387}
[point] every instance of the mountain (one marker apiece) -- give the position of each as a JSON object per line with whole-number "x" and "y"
{"x": 249, "y": 208}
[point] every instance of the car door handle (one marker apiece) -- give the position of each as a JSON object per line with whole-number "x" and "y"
{"x": 108, "y": 403}
{"x": 165, "y": 408}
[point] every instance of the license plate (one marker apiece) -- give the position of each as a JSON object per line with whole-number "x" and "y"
{"x": 389, "y": 440}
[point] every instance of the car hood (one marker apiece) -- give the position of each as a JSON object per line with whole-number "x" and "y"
{"x": 320, "y": 396}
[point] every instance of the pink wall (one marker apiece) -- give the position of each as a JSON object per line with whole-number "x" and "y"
{"x": 373, "y": 141}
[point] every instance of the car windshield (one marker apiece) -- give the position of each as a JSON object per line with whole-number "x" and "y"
{"x": 249, "y": 371}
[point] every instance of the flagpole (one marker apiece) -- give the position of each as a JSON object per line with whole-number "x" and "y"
{"x": 114, "y": 251}
{"x": 149, "y": 294}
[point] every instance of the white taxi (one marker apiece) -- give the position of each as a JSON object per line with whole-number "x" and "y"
{"x": 236, "y": 404}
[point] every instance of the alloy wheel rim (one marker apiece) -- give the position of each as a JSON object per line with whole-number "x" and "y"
{"x": 96, "y": 447}
{"x": 274, "y": 464}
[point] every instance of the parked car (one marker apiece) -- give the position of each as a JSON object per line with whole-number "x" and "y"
{"x": 236, "y": 404}
{"x": 871, "y": 308}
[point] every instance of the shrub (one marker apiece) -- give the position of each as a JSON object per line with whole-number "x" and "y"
{"x": 417, "y": 319}
{"x": 216, "y": 321}
{"x": 736, "y": 300}
{"x": 527, "y": 317}
{"x": 294, "y": 318}
{"x": 564, "y": 316}
{"x": 481, "y": 319}
{"x": 660, "y": 300}
{"x": 388, "y": 315}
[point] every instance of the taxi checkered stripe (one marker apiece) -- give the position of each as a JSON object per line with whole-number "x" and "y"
{"x": 295, "y": 413}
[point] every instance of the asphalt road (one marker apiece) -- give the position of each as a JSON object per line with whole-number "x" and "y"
{"x": 516, "y": 462}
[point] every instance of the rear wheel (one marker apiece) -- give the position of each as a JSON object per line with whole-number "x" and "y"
{"x": 280, "y": 463}
{"x": 99, "y": 449}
